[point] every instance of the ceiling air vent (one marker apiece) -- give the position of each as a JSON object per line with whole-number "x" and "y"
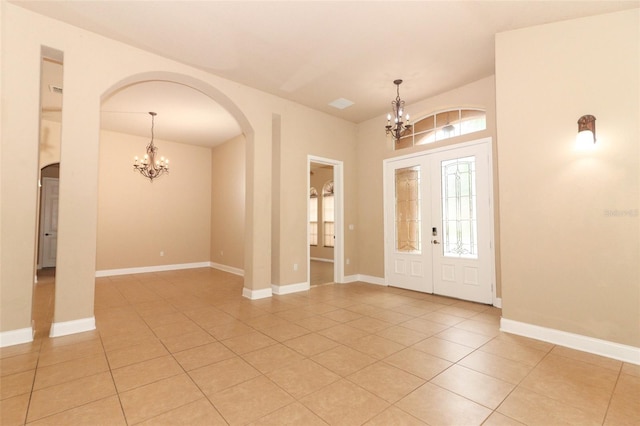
{"x": 55, "y": 89}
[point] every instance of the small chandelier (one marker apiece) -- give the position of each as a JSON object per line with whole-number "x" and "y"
{"x": 149, "y": 167}
{"x": 397, "y": 127}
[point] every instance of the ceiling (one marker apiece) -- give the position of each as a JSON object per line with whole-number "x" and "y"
{"x": 310, "y": 52}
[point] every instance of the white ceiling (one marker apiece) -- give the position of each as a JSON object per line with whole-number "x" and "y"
{"x": 311, "y": 52}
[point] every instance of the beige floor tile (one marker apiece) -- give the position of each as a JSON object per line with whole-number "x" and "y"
{"x": 531, "y": 408}
{"x": 391, "y": 316}
{"x": 229, "y": 330}
{"x": 136, "y": 353}
{"x": 364, "y": 309}
{"x": 222, "y": 375}
{"x": 386, "y": 381}
{"x": 575, "y": 383}
{"x": 341, "y": 315}
{"x": 159, "y": 317}
{"x": 70, "y": 370}
{"x": 438, "y": 406}
{"x": 159, "y": 397}
{"x": 514, "y": 351}
{"x": 105, "y": 411}
{"x": 624, "y": 408}
{"x": 316, "y": 323}
{"x": 496, "y": 366}
{"x": 404, "y": 336}
{"x": 57, "y": 354}
{"x": 376, "y": 346}
{"x": 200, "y": 356}
{"x": 295, "y": 314}
{"x": 22, "y": 349}
{"x": 418, "y": 363}
{"x": 442, "y": 318}
{"x": 292, "y": 414}
{"x": 55, "y": 399}
{"x": 285, "y": 331}
{"x": 272, "y": 357}
{"x": 250, "y": 401}
{"x": 196, "y": 413}
{"x": 497, "y": 419}
{"x": 394, "y": 416}
{"x": 185, "y": 326}
{"x": 16, "y": 384}
{"x": 311, "y": 344}
{"x": 525, "y": 341}
{"x": 209, "y": 317}
{"x": 248, "y": 342}
{"x": 344, "y": 403}
{"x": 368, "y": 324}
{"x": 478, "y": 387}
{"x": 48, "y": 344}
{"x": 145, "y": 372}
{"x": 424, "y": 326}
{"x": 112, "y": 342}
{"x": 444, "y": 349}
{"x": 265, "y": 321}
{"x": 303, "y": 377}
{"x": 186, "y": 341}
{"x": 631, "y": 369}
{"x": 461, "y": 310}
{"x": 463, "y": 337}
{"x": 479, "y": 327}
{"x": 343, "y": 333}
{"x": 600, "y": 361}
{"x": 343, "y": 360}
{"x": 13, "y": 411}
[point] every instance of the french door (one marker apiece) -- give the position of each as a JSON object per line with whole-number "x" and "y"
{"x": 438, "y": 223}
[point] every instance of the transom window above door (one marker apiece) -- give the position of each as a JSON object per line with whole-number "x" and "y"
{"x": 443, "y": 125}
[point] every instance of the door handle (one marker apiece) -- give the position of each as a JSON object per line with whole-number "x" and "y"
{"x": 435, "y": 242}
{"x": 47, "y": 234}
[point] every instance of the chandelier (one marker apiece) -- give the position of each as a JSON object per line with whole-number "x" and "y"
{"x": 149, "y": 167}
{"x": 397, "y": 127}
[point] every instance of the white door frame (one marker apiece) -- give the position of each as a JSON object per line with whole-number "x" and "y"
{"x": 338, "y": 186}
{"x": 387, "y": 238}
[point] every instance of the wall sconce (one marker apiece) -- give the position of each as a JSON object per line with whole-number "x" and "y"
{"x": 586, "y": 130}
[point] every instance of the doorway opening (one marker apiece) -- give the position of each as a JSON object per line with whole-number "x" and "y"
{"x": 325, "y": 228}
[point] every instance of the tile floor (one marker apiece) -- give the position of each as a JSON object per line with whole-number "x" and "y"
{"x": 185, "y": 348}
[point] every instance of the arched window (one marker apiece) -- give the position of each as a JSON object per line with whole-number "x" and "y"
{"x": 313, "y": 217}
{"x": 328, "y": 216}
{"x": 443, "y": 125}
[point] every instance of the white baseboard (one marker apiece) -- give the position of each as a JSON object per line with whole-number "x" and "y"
{"x": 630, "y": 354}
{"x": 262, "y": 293}
{"x": 371, "y": 280}
{"x": 16, "y": 337}
{"x": 146, "y": 269}
{"x": 72, "y": 327}
{"x": 227, "y": 268}
{"x": 497, "y": 302}
{"x": 289, "y": 288}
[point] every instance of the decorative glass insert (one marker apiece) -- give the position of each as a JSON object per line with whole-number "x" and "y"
{"x": 443, "y": 125}
{"x": 313, "y": 217}
{"x": 408, "y": 210}
{"x": 459, "y": 221}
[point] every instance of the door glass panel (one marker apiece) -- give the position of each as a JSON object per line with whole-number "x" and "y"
{"x": 408, "y": 210}
{"x": 459, "y": 221}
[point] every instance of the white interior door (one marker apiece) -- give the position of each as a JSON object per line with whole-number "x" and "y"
{"x": 49, "y": 222}
{"x": 438, "y": 223}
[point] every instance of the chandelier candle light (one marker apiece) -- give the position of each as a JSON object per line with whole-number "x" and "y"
{"x": 398, "y": 127}
{"x": 149, "y": 167}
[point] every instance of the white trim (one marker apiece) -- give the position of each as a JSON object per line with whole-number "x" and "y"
{"x": 16, "y": 337}
{"x": 72, "y": 327}
{"x": 372, "y": 280}
{"x": 497, "y": 302}
{"x": 262, "y": 293}
{"x": 289, "y": 288}
{"x": 226, "y": 268}
{"x": 630, "y": 354}
{"x": 146, "y": 269}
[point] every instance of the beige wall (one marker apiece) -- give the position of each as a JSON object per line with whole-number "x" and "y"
{"x": 228, "y": 203}
{"x": 569, "y": 219}
{"x": 374, "y": 146}
{"x": 138, "y": 219}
